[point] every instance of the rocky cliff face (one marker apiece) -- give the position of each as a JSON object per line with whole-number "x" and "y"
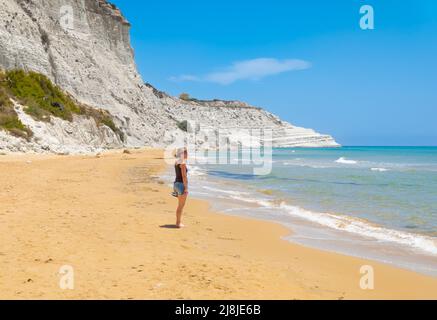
{"x": 83, "y": 46}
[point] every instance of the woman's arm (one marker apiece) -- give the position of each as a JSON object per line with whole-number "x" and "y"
{"x": 184, "y": 177}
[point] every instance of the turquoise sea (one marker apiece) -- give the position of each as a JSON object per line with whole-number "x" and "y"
{"x": 374, "y": 202}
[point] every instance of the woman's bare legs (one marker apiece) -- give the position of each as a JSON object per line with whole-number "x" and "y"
{"x": 182, "y": 199}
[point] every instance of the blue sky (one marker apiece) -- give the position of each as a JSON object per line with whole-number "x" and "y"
{"x": 307, "y": 61}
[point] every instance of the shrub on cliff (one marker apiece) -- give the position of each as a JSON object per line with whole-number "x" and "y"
{"x": 185, "y": 97}
{"x": 183, "y": 125}
{"x": 40, "y": 96}
{"x": 42, "y": 99}
{"x": 102, "y": 117}
{"x": 9, "y": 120}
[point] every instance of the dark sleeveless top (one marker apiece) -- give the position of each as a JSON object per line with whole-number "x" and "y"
{"x": 178, "y": 171}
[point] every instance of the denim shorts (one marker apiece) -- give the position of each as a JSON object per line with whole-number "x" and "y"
{"x": 179, "y": 188}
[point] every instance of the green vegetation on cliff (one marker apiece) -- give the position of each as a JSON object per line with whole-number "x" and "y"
{"x": 42, "y": 99}
{"x": 9, "y": 120}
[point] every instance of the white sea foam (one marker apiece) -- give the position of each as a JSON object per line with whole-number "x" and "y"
{"x": 351, "y": 225}
{"x": 345, "y": 161}
{"x": 229, "y": 192}
{"x": 195, "y": 171}
{"x": 363, "y": 228}
{"x": 379, "y": 169}
{"x": 308, "y": 165}
{"x": 260, "y": 202}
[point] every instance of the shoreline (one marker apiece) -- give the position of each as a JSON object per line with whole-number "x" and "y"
{"x": 321, "y": 237}
{"x": 332, "y": 231}
{"x": 110, "y": 217}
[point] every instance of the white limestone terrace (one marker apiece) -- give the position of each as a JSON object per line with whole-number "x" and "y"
{"x": 94, "y": 62}
{"x": 231, "y": 115}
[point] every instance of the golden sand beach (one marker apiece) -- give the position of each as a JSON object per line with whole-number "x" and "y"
{"x": 109, "y": 217}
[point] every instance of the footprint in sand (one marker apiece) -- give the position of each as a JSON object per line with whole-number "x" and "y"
{"x": 227, "y": 239}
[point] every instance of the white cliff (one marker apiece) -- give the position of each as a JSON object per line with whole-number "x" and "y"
{"x": 90, "y": 57}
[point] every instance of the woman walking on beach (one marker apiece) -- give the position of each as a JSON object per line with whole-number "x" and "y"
{"x": 181, "y": 183}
